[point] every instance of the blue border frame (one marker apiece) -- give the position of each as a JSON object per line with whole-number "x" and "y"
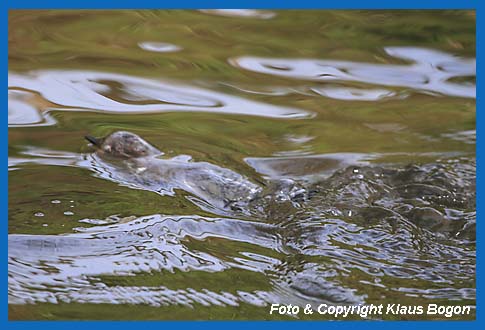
{"x": 186, "y": 4}
{"x": 254, "y": 4}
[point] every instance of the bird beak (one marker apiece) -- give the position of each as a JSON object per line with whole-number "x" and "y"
{"x": 95, "y": 141}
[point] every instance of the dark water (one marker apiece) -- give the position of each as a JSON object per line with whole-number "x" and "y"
{"x": 371, "y": 115}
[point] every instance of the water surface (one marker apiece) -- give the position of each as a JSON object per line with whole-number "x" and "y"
{"x": 372, "y": 114}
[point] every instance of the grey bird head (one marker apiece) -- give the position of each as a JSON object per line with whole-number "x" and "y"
{"x": 123, "y": 145}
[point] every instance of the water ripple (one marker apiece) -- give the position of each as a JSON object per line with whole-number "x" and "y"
{"x": 430, "y": 70}
{"x": 122, "y": 94}
{"x": 392, "y": 226}
{"x": 66, "y": 267}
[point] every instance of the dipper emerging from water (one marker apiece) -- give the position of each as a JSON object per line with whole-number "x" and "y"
{"x": 123, "y": 145}
{"x": 132, "y": 161}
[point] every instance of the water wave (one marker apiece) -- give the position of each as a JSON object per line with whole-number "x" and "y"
{"x": 122, "y": 94}
{"x": 430, "y": 70}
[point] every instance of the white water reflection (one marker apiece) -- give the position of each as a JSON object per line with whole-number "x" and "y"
{"x": 308, "y": 168}
{"x": 70, "y": 267}
{"x": 122, "y": 94}
{"x": 159, "y": 47}
{"x": 430, "y": 70}
{"x": 354, "y": 94}
{"x": 100, "y": 293}
{"x": 65, "y": 268}
{"x": 43, "y": 156}
{"x": 249, "y": 13}
{"x": 469, "y": 137}
{"x": 22, "y": 113}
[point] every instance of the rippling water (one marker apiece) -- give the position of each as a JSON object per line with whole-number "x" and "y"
{"x": 369, "y": 116}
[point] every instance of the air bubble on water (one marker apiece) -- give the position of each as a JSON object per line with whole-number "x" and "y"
{"x": 68, "y": 213}
{"x": 56, "y": 201}
{"x": 39, "y": 214}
